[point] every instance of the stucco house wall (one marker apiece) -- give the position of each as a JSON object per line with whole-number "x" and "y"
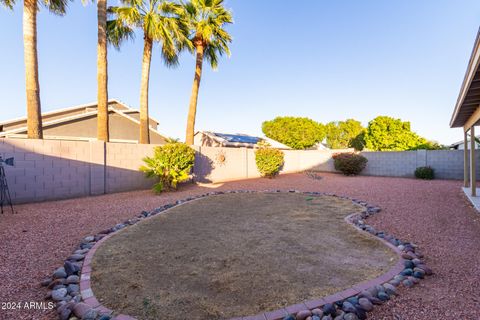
{"x": 120, "y": 129}
{"x": 80, "y": 123}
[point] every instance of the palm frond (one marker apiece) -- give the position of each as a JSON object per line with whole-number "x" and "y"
{"x": 8, "y": 3}
{"x": 207, "y": 20}
{"x": 58, "y": 7}
{"x": 170, "y": 59}
{"x": 132, "y": 3}
{"x": 118, "y": 32}
{"x": 211, "y": 57}
{"x": 129, "y": 15}
{"x": 163, "y": 21}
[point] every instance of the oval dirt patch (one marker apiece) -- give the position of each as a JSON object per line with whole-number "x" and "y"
{"x": 234, "y": 255}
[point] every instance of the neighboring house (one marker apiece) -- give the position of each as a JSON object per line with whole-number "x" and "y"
{"x": 460, "y": 145}
{"x": 215, "y": 139}
{"x": 319, "y": 146}
{"x": 80, "y": 123}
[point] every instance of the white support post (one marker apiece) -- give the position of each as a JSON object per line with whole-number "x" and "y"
{"x": 473, "y": 178}
{"x": 466, "y": 173}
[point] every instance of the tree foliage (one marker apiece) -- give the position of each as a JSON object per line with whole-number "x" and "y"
{"x": 295, "y": 132}
{"x": 345, "y": 134}
{"x": 207, "y": 20}
{"x": 161, "y": 21}
{"x": 58, "y": 7}
{"x": 389, "y": 134}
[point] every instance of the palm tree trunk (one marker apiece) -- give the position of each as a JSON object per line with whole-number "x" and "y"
{"x": 102, "y": 73}
{"x": 192, "y": 111}
{"x": 144, "y": 119}
{"x": 34, "y": 113}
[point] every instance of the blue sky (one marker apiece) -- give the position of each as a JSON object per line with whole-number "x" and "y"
{"x": 327, "y": 60}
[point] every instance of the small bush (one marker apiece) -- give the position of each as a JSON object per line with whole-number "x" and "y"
{"x": 269, "y": 161}
{"x": 425, "y": 173}
{"x": 349, "y": 163}
{"x": 171, "y": 164}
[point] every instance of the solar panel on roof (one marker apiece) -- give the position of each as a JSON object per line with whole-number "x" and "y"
{"x": 238, "y": 138}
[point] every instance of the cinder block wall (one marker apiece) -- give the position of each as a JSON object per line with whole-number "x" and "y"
{"x": 214, "y": 164}
{"x": 46, "y": 170}
{"x": 122, "y": 165}
{"x": 397, "y": 164}
{"x": 239, "y": 163}
{"x": 53, "y": 169}
{"x": 448, "y": 164}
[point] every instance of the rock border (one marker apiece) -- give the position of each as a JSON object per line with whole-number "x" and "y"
{"x": 70, "y": 285}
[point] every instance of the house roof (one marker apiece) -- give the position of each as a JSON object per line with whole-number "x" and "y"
{"x": 237, "y": 138}
{"x": 456, "y": 144}
{"x": 468, "y": 99}
{"x": 78, "y": 112}
{"x": 240, "y": 140}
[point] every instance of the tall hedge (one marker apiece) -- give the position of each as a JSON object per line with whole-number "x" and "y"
{"x": 295, "y": 132}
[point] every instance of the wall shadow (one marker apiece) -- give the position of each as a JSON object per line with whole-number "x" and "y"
{"x": 53, "y": 170}
{"x": 203, "y": 167}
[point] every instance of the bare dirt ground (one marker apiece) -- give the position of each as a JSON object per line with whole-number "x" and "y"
{"x": 235, "y": 255}
{"x": 434, "y": 214}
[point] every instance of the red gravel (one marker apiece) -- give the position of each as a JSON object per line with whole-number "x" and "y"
{"x": 433, "y": 214}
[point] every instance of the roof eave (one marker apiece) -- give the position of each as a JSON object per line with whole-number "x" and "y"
{"x": 467, "y": 80}
{"x": 73, "y": 108}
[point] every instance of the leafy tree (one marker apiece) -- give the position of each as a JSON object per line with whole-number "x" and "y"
{"x": 345, "y": 134}
{"x": 335, "y": 138}
{"x": 207, "y": 20}
{"x": 295, "y": 132}
{"x": 160, "y": 21}
{"x": 358, "y": 143}
{"x": 389, "y": 134}
{"x": 430, "y": 145}
{"x": 30, "y": 10}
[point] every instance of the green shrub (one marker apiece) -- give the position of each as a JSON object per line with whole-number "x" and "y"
{"x": 425, "y": 173}
{"x": 170, "y": 164}
{"x": 269, "y": 161}
{"x": 349, "y": 163}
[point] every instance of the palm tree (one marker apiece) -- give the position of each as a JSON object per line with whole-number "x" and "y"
{"x": 102, "y": 72}
{"x": 161, "y": 21}
{"x": 30, "y": 9}
{"x": 207, "y": 19}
